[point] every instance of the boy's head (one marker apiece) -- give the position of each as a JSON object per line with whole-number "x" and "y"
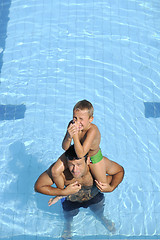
{"x": 84, "y": 105}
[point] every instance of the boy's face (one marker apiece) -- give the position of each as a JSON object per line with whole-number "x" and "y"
{"x": 81, "y": 119}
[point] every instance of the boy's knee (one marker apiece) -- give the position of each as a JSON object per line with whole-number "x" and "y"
{"x": 55, "y": 173}
{"x": 37, "y": 186}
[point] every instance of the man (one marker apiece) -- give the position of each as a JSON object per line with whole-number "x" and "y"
{"x": 80, "y": 188}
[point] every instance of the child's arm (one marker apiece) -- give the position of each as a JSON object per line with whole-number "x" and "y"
{"x": 71, "y": 130}
{"x": 83, "y": 149}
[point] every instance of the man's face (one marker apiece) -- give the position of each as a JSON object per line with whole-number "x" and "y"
{"x": 81, "y": 119}
{"x": 77, "y": 167}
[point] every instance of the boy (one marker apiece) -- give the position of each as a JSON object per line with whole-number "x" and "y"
{"x": 86, "y": 138}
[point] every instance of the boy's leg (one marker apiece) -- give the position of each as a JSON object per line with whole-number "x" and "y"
{"x": 99, "y": 171}
{"x": 57, "y": 170}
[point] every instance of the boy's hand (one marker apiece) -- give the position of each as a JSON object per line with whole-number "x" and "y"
{"x": 72, "y": 188}
{"x": 72, "y": 129}
{"x": 104, "y": 187}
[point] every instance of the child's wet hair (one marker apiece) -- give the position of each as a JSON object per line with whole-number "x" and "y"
{"x": 84, "y": 104}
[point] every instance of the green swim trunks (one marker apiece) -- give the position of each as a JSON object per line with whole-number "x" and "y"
{"x": 97, "y": 158}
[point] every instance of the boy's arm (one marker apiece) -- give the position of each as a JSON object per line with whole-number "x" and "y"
{"x": 116, "y": 172}
{"x": 68, "y": 136}
{"x": 83, "y": 149}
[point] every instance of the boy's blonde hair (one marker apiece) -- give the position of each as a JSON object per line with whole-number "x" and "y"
{"x": 84, "y": 104}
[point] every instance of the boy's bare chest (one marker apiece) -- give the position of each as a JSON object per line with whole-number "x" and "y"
{"x": 95, "y": 141}
{"x": 82, "y": 136}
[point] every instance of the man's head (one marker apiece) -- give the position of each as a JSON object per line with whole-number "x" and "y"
{"x": 77, "y": 166}
{"x": 83, "y": 114}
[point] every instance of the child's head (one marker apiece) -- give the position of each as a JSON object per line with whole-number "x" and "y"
{"x": 84, "y": 105}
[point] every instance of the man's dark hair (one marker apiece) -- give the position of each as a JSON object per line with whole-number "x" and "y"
{"x": 71, "y": 154}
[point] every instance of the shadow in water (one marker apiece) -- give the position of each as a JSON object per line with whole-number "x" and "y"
{"x": 26, "y": 170}
{"x": 24, "y": 167}
{"x": 21, "y": 165}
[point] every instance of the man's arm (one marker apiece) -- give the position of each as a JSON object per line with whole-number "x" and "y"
{"x": 44, "y": 185}
{"x": 115, "y": 174}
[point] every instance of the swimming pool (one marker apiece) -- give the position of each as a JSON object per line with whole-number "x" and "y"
{"x": 52, "y": 54}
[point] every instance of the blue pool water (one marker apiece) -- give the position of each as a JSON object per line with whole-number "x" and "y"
{"x": 52, "y": 54}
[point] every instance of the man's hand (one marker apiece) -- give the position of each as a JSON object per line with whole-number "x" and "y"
{"x": 72, "y": 188}
{"x": 104, "y": 187}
